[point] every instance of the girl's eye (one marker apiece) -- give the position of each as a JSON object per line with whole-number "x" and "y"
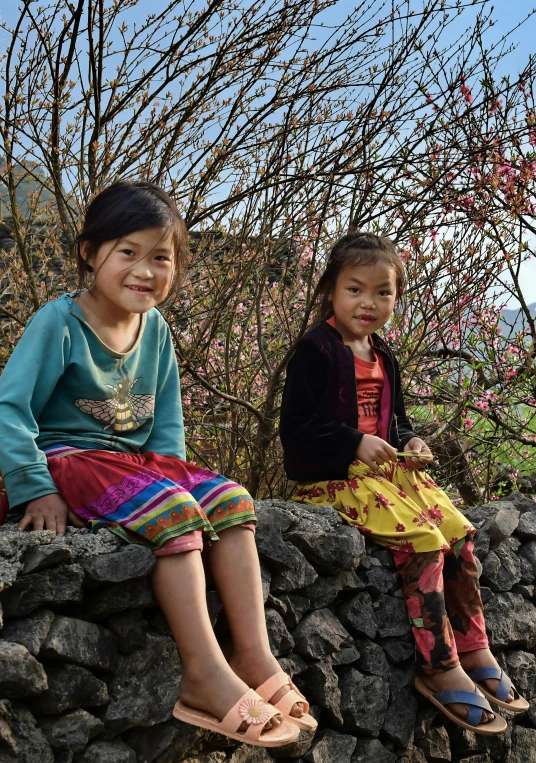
{"x": 354, "y": 289}
{"x": 163, "y": 258}
{"x": 127, "y": 251}
{"x": 384, "y": 293}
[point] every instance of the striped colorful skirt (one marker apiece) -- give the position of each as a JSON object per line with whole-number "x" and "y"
{"x": 159, "y": 501}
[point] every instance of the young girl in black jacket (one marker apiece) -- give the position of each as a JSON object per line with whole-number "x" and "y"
{"x": 343, "y": 425}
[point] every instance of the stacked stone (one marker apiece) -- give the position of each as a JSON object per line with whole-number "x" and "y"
{"x": 89, "y": 672}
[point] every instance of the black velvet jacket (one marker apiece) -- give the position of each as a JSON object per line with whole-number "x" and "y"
{"x": 319, "y": 418}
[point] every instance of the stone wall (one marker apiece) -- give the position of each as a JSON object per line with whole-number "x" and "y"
{"x": 89, "y": 673}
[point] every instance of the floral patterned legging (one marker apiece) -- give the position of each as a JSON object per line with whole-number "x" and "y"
{"x": 444, "y": 605}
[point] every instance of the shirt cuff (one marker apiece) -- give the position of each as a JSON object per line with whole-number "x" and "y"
{"x": 28, "y": 483}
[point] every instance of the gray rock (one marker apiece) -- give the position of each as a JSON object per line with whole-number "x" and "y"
{"x": 510, "y": 621}
{"x": 41, "y": 557}
{"x": 521, "y": 669}
{"x": 107, "y": 752}
{"x": 292, "y": 664}
{"x": 151, "y": 672}
{"x": 383, "y": 555}
{"x": 401, "y": 679}
{"x": 486, "y": 512}
{"x": 273, "y": 602}
{"x": 326, "y": 590}
{"x": 392, "y": 617}
{"x": 320, "y": 634}
{"x": 520, "y": 501}
{"x": 346, "y": 655}
{"x": 29, "y": 631}
{"x": 321, "y": 686}
{"x": 281, "y": 642}
{"x": 372, "y": 658}
{"x": 209, "y": 757}
{"x": 72, "y": 731}
{"x": 20, "y": 673}
{"x": 398, "y": 651}
{"x": 130, "y": 628}
{"x": 333, "y": 747}
{"x": 165, "y": 742}
{"x": 83, "y": 643}
{"x": 527, "y": 525}
{"x": 436, "y": 746}
{"x": 272, "y": 549}
{"x": 69, "y": 687}
{"x": 400, "y": 718}
{"x": 62, "y": 585}
{"x": 359, "y": 615}
{"x": 426, "y": 716}
{"x": 247, "y": 754}
{"x": 302, "y": 574}
{"x": 266, "y": 578}
{"x": 503, "y": 524}
{"x": 527, "y": 573}
{"x": 485, "y": 593}
{"x": 295, "y": 608}
{"x": 83, "y": 542}
{"x": 379, "y": 581}
{"x": 295, "y": 749}
{"x": 523, "y": 745}
{"x": 132, "y": 594}
{"x": 372, "y": 751}
{"x": 330, "y": 551}
{"x": 126, "y": 564}
{"x": 528, "y": 551}
{"x": 413, "y": 755}
{"x": 501, "y": 568}
{"x": 364, "y": 701}
{"x": 21, "y": 741}
{"x": 526, "y": 591}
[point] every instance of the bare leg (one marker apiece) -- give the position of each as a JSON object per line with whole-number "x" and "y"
{"x": 208, "y": 682}
{"x": 235, "y": 568}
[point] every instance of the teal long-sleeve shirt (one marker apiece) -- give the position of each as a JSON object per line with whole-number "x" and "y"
{"x": 62, "y": 384}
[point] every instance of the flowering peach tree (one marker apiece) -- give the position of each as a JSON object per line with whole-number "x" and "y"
{"x": 275, "y": 132}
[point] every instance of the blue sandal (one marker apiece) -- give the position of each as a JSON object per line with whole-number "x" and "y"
{"x": 517, "y": 705}
{"x": 477, "y": 704}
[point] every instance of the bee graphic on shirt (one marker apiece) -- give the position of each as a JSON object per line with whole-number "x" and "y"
{"x": 123, "y": 410}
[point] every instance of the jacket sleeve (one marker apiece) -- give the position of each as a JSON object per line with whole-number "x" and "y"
{"x": 167, "y": 433}
{"x": 306, "y": 432}
{"x": 27, "y": 383}
{"x": 401, "y": 431}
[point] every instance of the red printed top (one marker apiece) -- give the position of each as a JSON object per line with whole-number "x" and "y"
{"x": 370, "y": 378}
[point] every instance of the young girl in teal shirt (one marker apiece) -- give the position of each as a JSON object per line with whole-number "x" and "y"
{"x": 92, "y": 431}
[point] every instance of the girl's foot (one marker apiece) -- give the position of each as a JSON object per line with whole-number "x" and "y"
{"x": 451, "y": 680}
{"x": 254, "y": 669}
{"x": 482, "y": 658}
{"x": 216, "y": 691}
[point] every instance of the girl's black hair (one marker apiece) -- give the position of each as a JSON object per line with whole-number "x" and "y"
{"x": 126, "y": 207}
{"x": 357, "y": 248}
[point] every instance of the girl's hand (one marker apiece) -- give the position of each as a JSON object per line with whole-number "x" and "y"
{"x": 373, "y": 451}
{"x": 49, "y": 512}
{"x": 418, "y": 446}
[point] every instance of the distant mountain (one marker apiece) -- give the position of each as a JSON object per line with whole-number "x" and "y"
{"x": 513, "y": 321}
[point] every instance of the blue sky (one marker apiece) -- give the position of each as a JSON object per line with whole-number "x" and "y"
{"x": 507, "y": 14}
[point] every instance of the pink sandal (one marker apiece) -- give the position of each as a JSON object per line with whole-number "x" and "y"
{"x": 270, "y": 688}
{"x": 250, "y": 708}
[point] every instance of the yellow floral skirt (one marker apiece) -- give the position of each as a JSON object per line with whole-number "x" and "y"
{"x": 398, "y": 508}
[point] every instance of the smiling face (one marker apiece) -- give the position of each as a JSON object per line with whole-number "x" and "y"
{"x": 134, "y": 273}
{"x": 363, "y": 299}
